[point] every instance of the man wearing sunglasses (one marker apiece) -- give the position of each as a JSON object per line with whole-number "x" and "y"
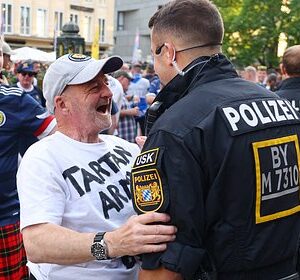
{"x": 26, "y": 74}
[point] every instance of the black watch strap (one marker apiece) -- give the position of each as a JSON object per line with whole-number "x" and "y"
{"x": 99, "y": 248}
{"x": 99, "y": 236}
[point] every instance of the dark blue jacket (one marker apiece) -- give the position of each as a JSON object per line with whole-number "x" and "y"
{"x": 21, "y": 117}
{"x": 223, "y": 160}
{"x": 290, "y": 89}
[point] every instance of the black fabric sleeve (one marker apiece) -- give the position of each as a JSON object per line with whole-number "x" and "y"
{"x": 182, "y": 185}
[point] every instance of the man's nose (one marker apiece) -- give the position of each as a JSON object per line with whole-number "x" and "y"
{"x": 107, "y": 92}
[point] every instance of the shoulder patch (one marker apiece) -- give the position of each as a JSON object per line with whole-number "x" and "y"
{"x": 147, "y": 190}
{"x": 277, "y": 163}
{"x": 147, "y": 158}
{"x": 148, "y": 185}
{"x": 2, "y": 118}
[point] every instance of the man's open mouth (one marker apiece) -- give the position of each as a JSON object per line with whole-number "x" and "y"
{"x": 103, "y": 108}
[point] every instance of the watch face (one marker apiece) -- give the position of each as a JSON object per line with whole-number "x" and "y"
{"x": 98, "y": 251}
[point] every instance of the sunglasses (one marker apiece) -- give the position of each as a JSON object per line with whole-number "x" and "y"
{"x": 158, "y": 50}
{"x": 30, "y": 74}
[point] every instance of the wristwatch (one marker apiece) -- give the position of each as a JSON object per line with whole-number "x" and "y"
{"x": 99, "y": 248}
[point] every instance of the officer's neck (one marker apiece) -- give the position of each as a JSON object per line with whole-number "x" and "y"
{"x": 185, "y": 58}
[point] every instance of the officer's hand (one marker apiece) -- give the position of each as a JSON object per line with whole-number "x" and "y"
{"x": 137, "y": 236}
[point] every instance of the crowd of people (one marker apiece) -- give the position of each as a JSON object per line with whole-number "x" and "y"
{"x": 215, "y": 184}
{"x": 268, "y": 78}
{"x": 134, "y": 88}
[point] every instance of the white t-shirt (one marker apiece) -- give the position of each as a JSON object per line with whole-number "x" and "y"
{"x": 80, "y": 186}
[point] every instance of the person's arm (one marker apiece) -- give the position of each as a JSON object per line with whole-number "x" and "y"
{"x": 50, "y": 243}
{"x": 130, "y": 112}
{"x": 159, "y": 274}
{"x": 173, "y": 181}
{"x": 35, "y": 118}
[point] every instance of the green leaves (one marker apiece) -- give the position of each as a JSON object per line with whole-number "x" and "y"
{"x": 253, "y": 27}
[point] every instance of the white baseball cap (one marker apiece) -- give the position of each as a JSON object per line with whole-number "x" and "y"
{"x": 74, "y": 69}
{"x": 6, "y": 49}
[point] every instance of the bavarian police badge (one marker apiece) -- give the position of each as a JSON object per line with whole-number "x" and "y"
{"x": 149, "y": 193}
{"x": 147, "y": 190}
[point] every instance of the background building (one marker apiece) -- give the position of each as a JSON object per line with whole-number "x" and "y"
{"x": 131, "y": 28}
{"x": 34, "y": 23}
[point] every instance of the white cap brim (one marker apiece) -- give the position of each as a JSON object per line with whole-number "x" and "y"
{"x": 90, "y": 71}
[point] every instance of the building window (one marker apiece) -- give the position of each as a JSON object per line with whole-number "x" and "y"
{"x": 58, "y": 20}
{"x": 25, "y": 20}
{"x": 102, "y": 30}
{"x": 74, "y": 18}
{"x": 87, "y": 24}
{"x": 41, "y": 22}
{"x": 120, "y": 24}
{"x": 6, "y": 13}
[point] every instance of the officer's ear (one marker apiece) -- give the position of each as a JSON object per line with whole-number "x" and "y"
{"x": 283, "y": 70}
{"x": 170, "y": 53}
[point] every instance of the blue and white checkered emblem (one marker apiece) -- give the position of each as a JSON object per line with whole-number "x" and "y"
{"x": 147, "y": 195}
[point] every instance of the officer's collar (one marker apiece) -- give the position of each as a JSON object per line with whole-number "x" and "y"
{"x": 203, "y": 68}
{"x": 289, "y": 83}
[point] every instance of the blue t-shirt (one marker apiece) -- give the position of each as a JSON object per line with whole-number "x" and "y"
{"x": 20, "y": 115}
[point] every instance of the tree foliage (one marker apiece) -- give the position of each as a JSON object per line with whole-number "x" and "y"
{"x": 253, "y": 28}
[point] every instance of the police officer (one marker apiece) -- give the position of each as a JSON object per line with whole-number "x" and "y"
{"x": 222, "y": 158}
{"x": 290, "y": 68}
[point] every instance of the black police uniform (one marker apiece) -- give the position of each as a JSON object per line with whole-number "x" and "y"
{"x": 290, "y": 89}
{"x": 223, "y": 160}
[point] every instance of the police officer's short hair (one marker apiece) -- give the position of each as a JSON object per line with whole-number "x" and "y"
{"x": 194, "y": 21}
{"x": 291, "y": 60}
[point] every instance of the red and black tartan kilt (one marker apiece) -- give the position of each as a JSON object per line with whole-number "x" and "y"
{"x": 12, "y": 254}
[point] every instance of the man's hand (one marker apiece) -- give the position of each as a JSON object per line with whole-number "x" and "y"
{"x": 138, "y": 235}
{"x": 140, "y": 140}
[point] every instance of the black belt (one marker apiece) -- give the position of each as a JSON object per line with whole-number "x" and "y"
{"x": 277, "y": 271}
